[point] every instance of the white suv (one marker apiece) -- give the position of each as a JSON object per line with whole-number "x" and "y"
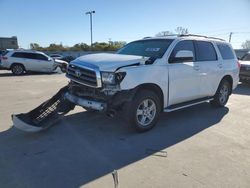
{"x": 21, "y": 61}
{"x": 143, "y": 79}
{"x": 150, "y": 76}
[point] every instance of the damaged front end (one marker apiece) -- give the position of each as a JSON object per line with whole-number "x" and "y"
{"x": 108, "y": 100}
{"x": 88, "y": 87}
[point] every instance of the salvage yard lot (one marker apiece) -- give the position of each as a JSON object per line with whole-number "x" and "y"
{"x": 199, "y": 146}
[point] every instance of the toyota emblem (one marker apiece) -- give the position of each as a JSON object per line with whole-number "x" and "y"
{"x": 78, "y": 73}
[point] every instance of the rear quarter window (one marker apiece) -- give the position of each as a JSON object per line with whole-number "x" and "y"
{"x": 205, "y": 51}
{"x": 226, "y": 51}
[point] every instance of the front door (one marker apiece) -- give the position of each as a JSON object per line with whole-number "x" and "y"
{"x": 184, "y": 75}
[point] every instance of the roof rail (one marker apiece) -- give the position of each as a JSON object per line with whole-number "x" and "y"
{"x": 169, "y": 35}
{"x": 192, "y": 35}
{"x": 146, "y": 37}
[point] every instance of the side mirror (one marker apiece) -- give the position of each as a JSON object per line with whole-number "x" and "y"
{"x": 183, "y": 56}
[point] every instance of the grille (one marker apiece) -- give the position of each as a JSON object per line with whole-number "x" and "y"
{"x": 82, "y": 75}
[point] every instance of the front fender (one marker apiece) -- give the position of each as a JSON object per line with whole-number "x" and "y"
{"x": 146, "y": 74}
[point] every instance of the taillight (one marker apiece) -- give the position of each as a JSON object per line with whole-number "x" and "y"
{"x": 4, "y": 58}
{"x": 239, "y": 65}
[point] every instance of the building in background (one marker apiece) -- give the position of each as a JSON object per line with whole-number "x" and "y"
{"x": 8, "y": 43}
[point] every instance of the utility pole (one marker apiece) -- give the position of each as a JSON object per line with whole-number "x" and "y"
{"x": 230, "y": 36}
{"x": 91, "y": 32}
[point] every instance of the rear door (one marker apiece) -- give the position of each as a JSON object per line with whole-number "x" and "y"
{"x": 20, "y": 57}
{"x": 184, "y": 76}
{"x": 210, "y": 69}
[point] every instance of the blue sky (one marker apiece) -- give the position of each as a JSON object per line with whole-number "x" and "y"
{"x": 61, "y": 21}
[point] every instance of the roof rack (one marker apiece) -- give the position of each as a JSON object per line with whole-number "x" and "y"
{"x": 192, "y": 35}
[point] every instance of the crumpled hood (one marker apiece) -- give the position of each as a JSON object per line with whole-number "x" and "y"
{"x": 245, "y": 62}
{"x": 108, "y": 61}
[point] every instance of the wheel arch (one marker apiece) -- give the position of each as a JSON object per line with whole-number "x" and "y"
{"x": 17, "y": 64}
{"x": 152, "y": 87}
{"x": 229, "y": 78}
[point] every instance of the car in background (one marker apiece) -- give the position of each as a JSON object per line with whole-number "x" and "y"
{"x": 240, "y": 53}
{"x": 68, "y": 58}
{"x": 1, "y": 52}
{"x": 61, "y": 57}
{"x": 56, "y": 56}
{"x": 245, "y": 68}
{"x": 23, "y": 61}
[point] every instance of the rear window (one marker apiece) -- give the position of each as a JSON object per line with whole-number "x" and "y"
{"x": 205, "y": 51}
{"x": 225, "y": 51}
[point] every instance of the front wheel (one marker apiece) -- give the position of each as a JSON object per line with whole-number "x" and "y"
{"x": 144, "y": 110}
{"x": 222, "y": 94}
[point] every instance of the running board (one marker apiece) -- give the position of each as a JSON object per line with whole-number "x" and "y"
{"x": 187, "y": 104}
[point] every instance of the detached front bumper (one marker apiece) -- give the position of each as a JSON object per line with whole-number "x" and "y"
{"x": 86, "y": 103}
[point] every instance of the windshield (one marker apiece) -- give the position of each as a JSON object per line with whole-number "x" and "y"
{"x": 154, "y": 48}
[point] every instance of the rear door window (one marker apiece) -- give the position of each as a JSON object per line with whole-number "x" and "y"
{"x": 20, "y": 55}
{"x": 205, "y": 51}
{"x": 226, "y": 51}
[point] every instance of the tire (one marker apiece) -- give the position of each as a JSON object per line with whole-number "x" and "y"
{"x": 17, "y": 69}
{"x": 222, "y": 94}
{"x": 143, "y": 111}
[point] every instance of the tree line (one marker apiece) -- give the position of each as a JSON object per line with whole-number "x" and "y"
{"x": 111, "y": 45}
{"x": 97, "y": 46}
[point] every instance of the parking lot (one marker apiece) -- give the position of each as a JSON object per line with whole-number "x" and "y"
{"x": 195, "y": 147}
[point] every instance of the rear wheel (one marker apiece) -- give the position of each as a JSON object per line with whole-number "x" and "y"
{"x": 144, "y": 110}
{"x": 17, "y": 69}
{"x": 222, "y": 95}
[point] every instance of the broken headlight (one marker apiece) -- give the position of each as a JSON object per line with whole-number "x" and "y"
{"x": 111, "y": 78}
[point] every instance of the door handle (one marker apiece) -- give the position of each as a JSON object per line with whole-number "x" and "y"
{"x": 196, "y": 67}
